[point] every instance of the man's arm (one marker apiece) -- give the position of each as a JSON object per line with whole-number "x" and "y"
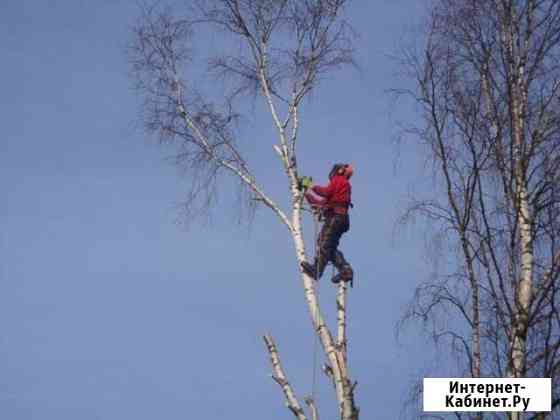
{"x": 314, "y": 199}
{"x": 325, "y": 192}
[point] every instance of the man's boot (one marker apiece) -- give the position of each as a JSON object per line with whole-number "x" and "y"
{"x": 346, "y": 274}
{"x": 314, "y": 270}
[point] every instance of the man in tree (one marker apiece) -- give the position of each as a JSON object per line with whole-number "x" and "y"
{"x": 334, "y": 200}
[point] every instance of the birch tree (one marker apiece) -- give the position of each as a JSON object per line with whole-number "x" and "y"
{"x": 486, "y": 85}
{"x": 287, "y": 46}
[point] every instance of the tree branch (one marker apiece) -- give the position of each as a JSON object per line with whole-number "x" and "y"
{"x": 280, "y": 378}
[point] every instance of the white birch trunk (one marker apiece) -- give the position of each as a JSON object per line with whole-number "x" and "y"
{"x": 523, "y": 289}
{"x": 336, "y": 359}
{"x": 341, "y": 342}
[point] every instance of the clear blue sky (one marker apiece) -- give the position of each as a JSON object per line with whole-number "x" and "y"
{"x": 108, "y": 309}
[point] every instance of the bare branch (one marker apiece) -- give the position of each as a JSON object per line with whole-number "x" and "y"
{"x": 280, "y": 378}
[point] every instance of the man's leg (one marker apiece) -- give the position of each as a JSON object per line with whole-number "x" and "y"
{"x": 326, "y": 248}
{"x": 345, "y": 272}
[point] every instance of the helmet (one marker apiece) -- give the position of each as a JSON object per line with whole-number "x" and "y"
{"x": 343, "y": 169}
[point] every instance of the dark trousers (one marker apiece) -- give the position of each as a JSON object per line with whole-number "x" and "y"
{"x": 334, "y": 226}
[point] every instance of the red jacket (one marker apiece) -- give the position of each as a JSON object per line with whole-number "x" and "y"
{"x": 338, "y": 194}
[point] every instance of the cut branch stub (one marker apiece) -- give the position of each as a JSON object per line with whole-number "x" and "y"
{"x": 313, "y": 408}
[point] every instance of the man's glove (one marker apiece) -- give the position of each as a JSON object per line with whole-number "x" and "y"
{"x": 305, "y": 182}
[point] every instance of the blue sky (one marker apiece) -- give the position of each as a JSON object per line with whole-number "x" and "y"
{"x": 111, "y": 310}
